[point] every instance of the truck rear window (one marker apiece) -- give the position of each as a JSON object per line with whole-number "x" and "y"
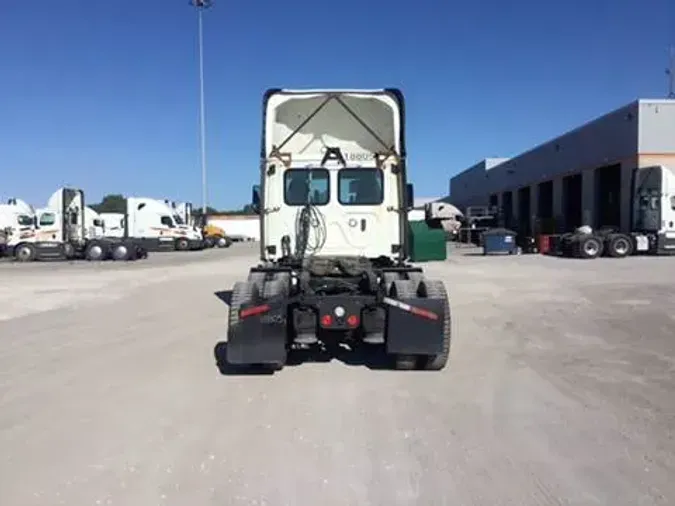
{"x": 306, "y": 186}
{"x": 360, "y": 187}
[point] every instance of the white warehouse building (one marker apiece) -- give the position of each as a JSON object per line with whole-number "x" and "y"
{"x": 582, "y": 177}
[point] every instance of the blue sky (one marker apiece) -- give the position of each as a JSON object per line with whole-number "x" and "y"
{"x": 103, "y": 95}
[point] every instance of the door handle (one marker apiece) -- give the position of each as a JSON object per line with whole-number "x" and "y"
{"x": 363, "y": 225}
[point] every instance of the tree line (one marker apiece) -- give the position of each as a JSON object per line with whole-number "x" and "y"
{"x": 116, "y": 203}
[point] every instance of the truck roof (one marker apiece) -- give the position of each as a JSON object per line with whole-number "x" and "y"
{"x": 392, "y": 97}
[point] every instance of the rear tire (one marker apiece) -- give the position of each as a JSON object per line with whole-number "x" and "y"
{"x": 619, "y": 246}
{"x": 95, "y": 252}
{"x": 589, "y": 247}
{"x": 435, "y": 289}
{"x": 120, "y": 253}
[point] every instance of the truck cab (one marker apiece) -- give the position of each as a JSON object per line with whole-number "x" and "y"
{"x": 17, "y": 223}
{"x": 156, "y": 225}
{"x": 346, "y": 180}
{"x": 654, "y": 208}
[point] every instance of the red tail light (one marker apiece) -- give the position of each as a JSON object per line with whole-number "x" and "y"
{"x": 326, "y": 320}
{"x": 353, "y": 320}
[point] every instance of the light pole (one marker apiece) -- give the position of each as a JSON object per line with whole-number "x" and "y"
{"x": 201, "y": 5}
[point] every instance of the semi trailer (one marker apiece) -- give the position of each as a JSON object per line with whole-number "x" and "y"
{"x": 333, "y": 200}
{"x": 652, "y": 222}
{"x": 59, "y": 232}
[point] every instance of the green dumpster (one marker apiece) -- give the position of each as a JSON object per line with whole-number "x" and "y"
{"x": 426, "y": 244}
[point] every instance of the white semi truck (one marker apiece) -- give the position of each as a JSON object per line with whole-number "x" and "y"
{"x": 154, "y": 224}
{"x": 652, "y": 222}
{"x": 333, "y": 203}
{"x": 17, "y": 223}
{"x": 60, "y": 234}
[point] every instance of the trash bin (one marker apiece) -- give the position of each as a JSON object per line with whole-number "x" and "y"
{"x": 499, "y": 240}
{"x": 426, "y": 244}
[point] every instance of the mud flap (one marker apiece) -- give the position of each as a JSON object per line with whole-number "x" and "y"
{"x": 415, "y": 326}
{"x": 260, "y": 335}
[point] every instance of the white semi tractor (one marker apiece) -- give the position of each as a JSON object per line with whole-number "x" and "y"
{"x": 652, "y": 222}
{"x": 59, "y": 232}
{"x": 17, "y": 223}
{"x": 154, "y": 224}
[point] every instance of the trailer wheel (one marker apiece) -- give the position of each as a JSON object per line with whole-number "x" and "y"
{"x": 94, "y": 252}
{"x": 404, "y": 288}
{"x": 25, "y": 252}
{"x": 435, "y": 289}
{"x": 590, "y": 247}
{"x": 619, "y": 246}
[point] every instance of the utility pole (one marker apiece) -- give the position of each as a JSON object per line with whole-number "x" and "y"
{"x": 201, "y": 6}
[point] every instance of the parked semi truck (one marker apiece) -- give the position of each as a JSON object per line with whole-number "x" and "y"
{"x": 153, "y": 224}
{"x": 60, "y": 234}
{"x": 333, "y": 200}
{"x": 212, "y": 235}
{"x": 17, "y": 223}
{"x": 652, "y": 222}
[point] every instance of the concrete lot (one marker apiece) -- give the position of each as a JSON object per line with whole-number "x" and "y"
{"x": 560, "y": 391}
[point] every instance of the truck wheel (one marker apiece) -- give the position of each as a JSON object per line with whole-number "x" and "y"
{"x": 182, "y": 244}
{"x": 223, "y": 242}
{"x": 404, "y": 288}
{"x": 25, "y": 253}
{"x": 120, "y": 253}
{"x": 590, "y": 247}
{"x": 435, "y": 289}
{"x": 619, "y": 246}
{"x": 94, "y": 252}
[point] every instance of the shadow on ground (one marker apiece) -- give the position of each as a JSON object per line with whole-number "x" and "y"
{"x": 371, "y": 357}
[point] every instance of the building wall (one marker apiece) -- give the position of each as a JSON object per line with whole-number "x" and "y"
{"x": 656, "y": 135}
{"x": 468, "y": 187}
{"x": 603, "y": 141}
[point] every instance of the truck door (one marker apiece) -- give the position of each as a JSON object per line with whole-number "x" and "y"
{"x": 48, "y": 229}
